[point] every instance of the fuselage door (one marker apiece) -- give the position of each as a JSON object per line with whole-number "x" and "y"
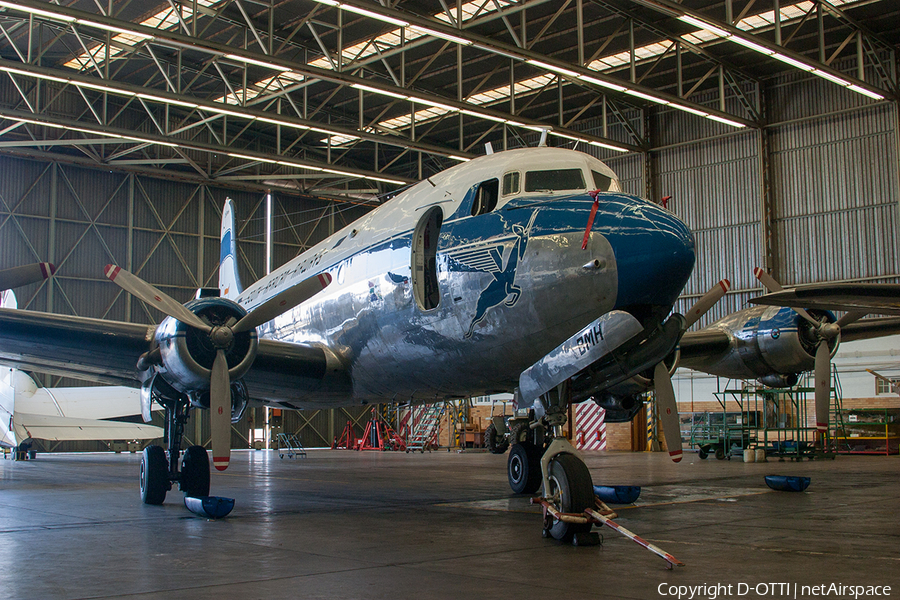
{"x": 424, "y": 259}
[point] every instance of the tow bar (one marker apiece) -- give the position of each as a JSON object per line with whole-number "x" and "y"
{"x": 604, "y": 517}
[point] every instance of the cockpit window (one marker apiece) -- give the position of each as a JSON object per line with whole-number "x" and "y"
{"x": 511, "y": 183}
{"x": 601, "y": 182}
{"x": 553, "y": 180}
{"x": 486, "y": 197}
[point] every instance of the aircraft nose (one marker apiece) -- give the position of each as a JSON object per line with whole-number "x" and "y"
{"x": 654, "y": 256}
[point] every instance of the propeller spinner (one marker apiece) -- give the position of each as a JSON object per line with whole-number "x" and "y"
{"x": 221, "y": 338}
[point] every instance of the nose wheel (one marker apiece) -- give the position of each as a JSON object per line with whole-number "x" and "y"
{"x": 524, "y": 468}
{"x": 571, "y": 491}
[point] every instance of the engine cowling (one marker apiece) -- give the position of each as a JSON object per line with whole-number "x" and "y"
{"x": 187, "y": 354}
{"x": 767, "y": 343}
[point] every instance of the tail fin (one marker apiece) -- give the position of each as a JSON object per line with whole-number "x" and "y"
{"x": 229, "y": 280}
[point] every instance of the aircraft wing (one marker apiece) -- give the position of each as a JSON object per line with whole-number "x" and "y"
{"x": 878, "y": 298}
{"x": 96, "y": 402}
{"x": 107, "y": 352}
{"x": 870, "y": 328}
{"x": 59, "y": 429}
{"x": 69, "y": 346}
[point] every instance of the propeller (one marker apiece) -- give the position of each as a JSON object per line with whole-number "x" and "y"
{"x": 19, "y": 276}
{"x": 825, "y": 331}
{"x": 221, "y": 337}
{"x": 662, "y": 380}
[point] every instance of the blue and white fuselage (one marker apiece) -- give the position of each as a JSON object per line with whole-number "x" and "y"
{"x": 458, "y": 284}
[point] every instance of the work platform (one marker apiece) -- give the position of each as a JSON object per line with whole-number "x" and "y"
{"x": 436, "y": 526}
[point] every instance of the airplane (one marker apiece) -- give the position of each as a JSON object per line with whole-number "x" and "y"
{"x": 28, "y": 412}
{"x": 526, "y": 270}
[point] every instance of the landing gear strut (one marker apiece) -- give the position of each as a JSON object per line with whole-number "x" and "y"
{"x": 565, "y": 478}
{"x": 159, "y": 469}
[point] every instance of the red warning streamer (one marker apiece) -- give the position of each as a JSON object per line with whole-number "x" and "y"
{"x": 590, "y": 223}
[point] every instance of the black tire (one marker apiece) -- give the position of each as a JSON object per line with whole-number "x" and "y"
{"x": 493, "y": 441}
{"x": 154, "y": 475}
{"x": 520, "y": 433}
{"x": 571, "y": 481}
{"x": 702, "y": 453}
{"x": 524, "y": 468}
{"x": 195, "y": 472}
{"x": 720, "y": 453}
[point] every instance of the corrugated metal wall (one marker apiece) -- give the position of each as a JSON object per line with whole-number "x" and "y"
{"x": 833, "y": 172}
{"x": 165, "y": 231}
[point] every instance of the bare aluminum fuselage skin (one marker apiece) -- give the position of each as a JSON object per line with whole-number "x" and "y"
{"x": 764, "y": 341}
{"x": 514, "y": 282}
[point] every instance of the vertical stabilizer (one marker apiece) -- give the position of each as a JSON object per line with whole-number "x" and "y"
{"x": 229, "y": 280}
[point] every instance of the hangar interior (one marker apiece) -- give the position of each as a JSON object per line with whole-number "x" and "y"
{"x": 769, "y": 126}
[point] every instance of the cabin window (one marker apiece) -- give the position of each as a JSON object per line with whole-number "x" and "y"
{"x": 485, "y": 197}
{"x": 554, "y": 180}
{"x": 424, "y": 259}
{"x": 511, "y": 183}
{"x": 601, "y": 182}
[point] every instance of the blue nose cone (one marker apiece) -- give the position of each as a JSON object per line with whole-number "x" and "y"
{"x": 654, "y": 255}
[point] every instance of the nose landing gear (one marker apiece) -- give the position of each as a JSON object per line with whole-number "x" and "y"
{"x": 555, "y": 465}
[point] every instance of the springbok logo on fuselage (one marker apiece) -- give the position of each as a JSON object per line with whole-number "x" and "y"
{"x": 502, "y": 288}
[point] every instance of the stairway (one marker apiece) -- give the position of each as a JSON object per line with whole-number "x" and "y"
{"x": 425, "y": 430}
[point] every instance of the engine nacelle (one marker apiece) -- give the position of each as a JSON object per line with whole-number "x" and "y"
{"x": 187, "y": 354}
{"x": 767, "y": 343}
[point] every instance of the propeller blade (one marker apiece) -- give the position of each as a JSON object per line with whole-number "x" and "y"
{"x": 706, "y": 302}
{"x": 283, "y": 302}
{"x": 773, "y": 286}
{"x": 823, "y": 385}
{"x": 767, "y": 280}
{"x": 220, "y": 411}
{"x": 139, "y": 288}
{"x": 851, "y": 317}
{"x": 668, "y": 410}
{"x": 19, "y": 276}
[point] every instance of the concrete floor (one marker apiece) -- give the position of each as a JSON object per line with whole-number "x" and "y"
{"x": 346, "y": 525}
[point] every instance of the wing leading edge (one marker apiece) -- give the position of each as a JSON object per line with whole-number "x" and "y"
{"x": 107, "y": 352}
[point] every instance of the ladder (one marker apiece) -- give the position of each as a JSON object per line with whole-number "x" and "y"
{"x": 424, "y": 431}
{"x": 289, "y": 444}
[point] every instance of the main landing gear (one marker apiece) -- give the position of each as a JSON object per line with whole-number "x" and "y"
{"x": 159, "y": 469}
{"x": 537, "y": 459}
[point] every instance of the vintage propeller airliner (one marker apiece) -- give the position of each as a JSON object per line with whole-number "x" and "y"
{"x": 525, "y": 270}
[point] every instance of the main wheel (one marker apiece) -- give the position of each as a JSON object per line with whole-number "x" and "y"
{"x": 524, "y": 468}
{"x": 154, "y": 475}
{"x": 572, "y": 490}
{"x": 195, "y": 472}
{"x": 493, "y": 441}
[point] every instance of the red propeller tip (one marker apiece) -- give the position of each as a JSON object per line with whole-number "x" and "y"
{"x": 220, "y": 463}
{"x": 111, "y": 271}
{"x": 676, "y": 455}
{"x": 726, "y": 285}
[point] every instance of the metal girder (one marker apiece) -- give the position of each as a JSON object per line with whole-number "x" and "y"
{"x": 767, "y": 49}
